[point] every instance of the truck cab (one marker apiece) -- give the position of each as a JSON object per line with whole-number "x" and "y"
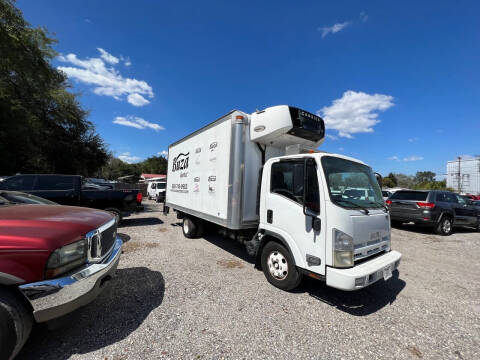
{"x": 327, "y": 231}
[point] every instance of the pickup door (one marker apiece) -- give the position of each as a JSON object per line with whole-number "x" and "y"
{"x": 61, "y": 189}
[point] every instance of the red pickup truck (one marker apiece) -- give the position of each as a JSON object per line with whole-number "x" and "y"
{"x": 53, "y": 260}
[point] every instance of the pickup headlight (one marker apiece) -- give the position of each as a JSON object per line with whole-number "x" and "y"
{"x": 66, "y": 258}
{"x": 342, "y": 249}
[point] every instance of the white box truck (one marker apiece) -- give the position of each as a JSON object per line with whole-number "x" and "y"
{"x": 258, "y": 177}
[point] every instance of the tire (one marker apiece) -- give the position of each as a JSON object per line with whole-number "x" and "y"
{"x": 15, "y": 324}
{"x": 189, "y": 228}
{"x": 279, "y": 267}
{"x": 117, "y": 213}
{"x": 444, "y": 226}
{"x": 396, "y": 223}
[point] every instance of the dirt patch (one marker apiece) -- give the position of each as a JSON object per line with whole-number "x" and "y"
{"x": 230, "y": 264}
{"x": 136, "y": 246}
{"x": 414, "y": 350}
{"x": 163, "y": 230}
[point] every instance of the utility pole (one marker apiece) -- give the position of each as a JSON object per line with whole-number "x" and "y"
{"x": 459, "y": 175}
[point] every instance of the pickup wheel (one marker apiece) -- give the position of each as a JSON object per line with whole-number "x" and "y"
{"x": 15, "y": 324}
{"x": 117, "y": 213}
{"x": 279, "y": 267}
{"x": 189, "y": 227}
{"x": 444, "y": 226}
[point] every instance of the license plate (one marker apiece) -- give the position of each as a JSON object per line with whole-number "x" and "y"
{"x": 387, "y": 272}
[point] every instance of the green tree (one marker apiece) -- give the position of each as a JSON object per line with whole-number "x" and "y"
{"x": 42, "y": 126}
{"x": 388, "y": 182}
{"x": 393, "y": 179}
{"x": 424, "y": 176}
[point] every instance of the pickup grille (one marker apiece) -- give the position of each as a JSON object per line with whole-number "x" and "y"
{"x": 101, "y": 241}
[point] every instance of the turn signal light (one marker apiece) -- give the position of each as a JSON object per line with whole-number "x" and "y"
{"x": 388, "y": 202}
{"x": 425, "y": 205}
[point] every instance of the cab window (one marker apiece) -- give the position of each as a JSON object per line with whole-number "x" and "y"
{"x": 287, "y": 180}
{"x": 20, "y": 183}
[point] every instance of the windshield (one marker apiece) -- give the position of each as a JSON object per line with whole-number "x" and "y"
{"x": 161, "y": 186}
{"x": 351, "y": 184}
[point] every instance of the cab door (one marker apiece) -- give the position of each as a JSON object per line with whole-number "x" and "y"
{"x": 292, "y": 208}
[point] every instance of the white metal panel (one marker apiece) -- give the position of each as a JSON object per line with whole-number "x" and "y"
{"x": 203, "y": 185}
{"x": 464, "y": 175}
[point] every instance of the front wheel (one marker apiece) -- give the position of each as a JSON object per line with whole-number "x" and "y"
{"x": 279, "y": 267}
{"x": 445, "y": 226}
{"x": 15, "y": 324}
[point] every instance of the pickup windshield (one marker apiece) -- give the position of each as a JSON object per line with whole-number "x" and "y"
{"x": 351, "y": 184}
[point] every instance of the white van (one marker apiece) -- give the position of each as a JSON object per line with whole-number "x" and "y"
{"x": 156, "y": 190}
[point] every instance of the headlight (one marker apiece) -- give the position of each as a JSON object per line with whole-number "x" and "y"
{"x": 342, "y": 249}
{"x": 66, "y": 258}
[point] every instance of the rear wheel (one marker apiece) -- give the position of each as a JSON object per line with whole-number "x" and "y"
{"x": 444, "y": 226}
{"x": 190, "y": 228}
{"x": 279, "y": 267}
{"x": 396, "y": 223}
{"x": 15, "y": 324}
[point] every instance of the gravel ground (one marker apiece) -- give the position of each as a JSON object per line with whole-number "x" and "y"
{"x": 181, "y": 298}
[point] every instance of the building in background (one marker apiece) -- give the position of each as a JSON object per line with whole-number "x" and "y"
{"x": 463, "y": 175}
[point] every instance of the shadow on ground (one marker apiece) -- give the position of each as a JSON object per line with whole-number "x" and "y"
{"x": 140, "y": 222}
{"x": 429, "y": 230}
{"x": 124, "y": 237}
{"x": 358, "y": 303}
{"x": 118, "y": 311}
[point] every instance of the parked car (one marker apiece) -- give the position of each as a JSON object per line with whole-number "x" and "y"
{"x": 156, "y": 190}
{"x": 53, "y": 260}
{"x": 358, "y": 194}
{"x": 386, "y": 194}
{"x": 69, "y": 190}
{"x": 441, "y": 210}
{"x": 476, "y": 203}
{"x": 23, "y": 198}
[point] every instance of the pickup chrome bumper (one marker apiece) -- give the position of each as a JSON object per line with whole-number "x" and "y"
{"x": 363, "y": 274}
{"x": 56, "y": 297}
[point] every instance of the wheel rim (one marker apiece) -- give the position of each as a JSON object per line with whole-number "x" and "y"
{"x": 277, "y": 265}
{"x": 186, "y": 227}
{"x": 447, "y": 226}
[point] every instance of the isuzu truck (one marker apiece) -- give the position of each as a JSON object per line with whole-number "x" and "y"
{"x": 299, "y": 211}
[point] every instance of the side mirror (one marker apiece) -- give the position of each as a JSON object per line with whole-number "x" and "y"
{"x": 379, "y": 179}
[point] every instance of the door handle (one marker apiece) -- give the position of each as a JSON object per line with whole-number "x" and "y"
{"x": 269, "y": 216}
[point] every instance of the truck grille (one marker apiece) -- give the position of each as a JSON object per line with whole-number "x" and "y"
{"x": 101, "y": 241}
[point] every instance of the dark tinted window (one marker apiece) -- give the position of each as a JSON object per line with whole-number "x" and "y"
{"x": 287, "y": 180}
{"x": 161, "y": 185}
{"x": 451, "y": 198}
{"x": 440, "y": 197}
{"x": 154, "y": 186}
{"x": 18, "y": 183}
{"x": 54, "y": 182}
{"x": 22, "y": 198}
{"x": 312, "y": 195}
{"x": 461, "y": 199}
{"x": 410, "y": 195}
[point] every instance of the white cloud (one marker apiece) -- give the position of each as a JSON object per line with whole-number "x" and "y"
{"x": 107, "y": 57}
{"x": 106, "y": 80}
{"x": 406, "y": 159}
{"x": 126, "y": 60}
{"x": 331, "y": 137}
{"x": 413, "y": 139}
{"x": 137, "y": 100}
{"x": 413, "y": 158}
{"x": 341, "y": 149}
{"x": 163, "y": 153}
{"x": 363, "y": 16}
{"x": 334, "y": 28}
{"x": 355, "y": 112}
{"x": 128, "y": 158}
{"x": 137, "y": 122}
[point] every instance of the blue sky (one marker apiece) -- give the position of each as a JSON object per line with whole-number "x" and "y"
{"x": 397, "y": 82}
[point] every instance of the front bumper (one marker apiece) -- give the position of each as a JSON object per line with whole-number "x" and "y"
{"x": 370, "y": 271}
{"x": 56, "y": 297}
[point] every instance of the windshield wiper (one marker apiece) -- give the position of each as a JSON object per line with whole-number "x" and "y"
{"x": 358, "y": 206}
{"x": 377, "y": 203}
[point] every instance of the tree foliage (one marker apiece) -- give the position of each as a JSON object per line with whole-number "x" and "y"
{"x": 423, "y": 180}
{"x": 116, "y": 168}
{"x": 42, "y": 126}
